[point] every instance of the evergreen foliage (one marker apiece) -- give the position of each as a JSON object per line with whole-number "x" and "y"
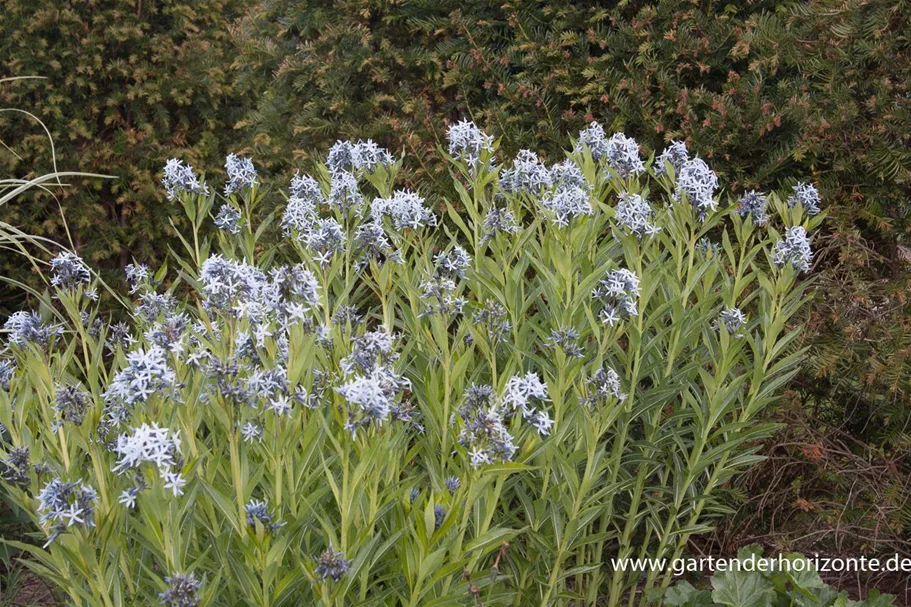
{"x": 126, "y": 84}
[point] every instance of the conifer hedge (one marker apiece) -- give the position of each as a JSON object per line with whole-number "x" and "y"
{"x": 126, "y": 85}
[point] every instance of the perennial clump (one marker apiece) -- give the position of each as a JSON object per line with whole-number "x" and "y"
{"x": 346, "y": 393}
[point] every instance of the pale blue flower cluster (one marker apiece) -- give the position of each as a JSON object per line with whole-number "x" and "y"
{"x": 324, "y": 236}
{"x": 439, "y": 289}
{"x": 306, "y": 188}
{"x": 152, "y": 306}
{"x": 603, "y": 386}
{"x": 755, "y": 204}
{"x": 26, "y": 327}
{"x": 518, "y": 395}
{"x": 183, "y": 591}
{"x": 468, "y": 143}
{"x": 439, "y": 515}
{"x": 623, "y": 155}
{"x": 733, "y": 320}
{"x": 807, "y": 196}
{"x": 371, "y": 244}
{"x": 119, "y": 336}
{"x": 698, "y": 182}
{"x": 794, "y": 249}
{"x": 168, "y": 331}
{"x": 619, "y": 293}
{"x": 452, "y": 484}
{"x": 252, "y": 432}
{"x": 232, "y": 287}
{"x": 567, "y": 340}
{"x": 332, "y": 565}
{"x": 452, "y": 264}
{"x": 66, "y": 505}
{"x": 238, "y": 289}
{"x": 594, "y": 139}
{"x": 228, "y": 219}
{"x": 706, "y": 247}
{"x": 620, "y": 151}
{"x": 147, "y": 373}
{"x": 675, "y": 155}
{"x": 155, "y": 445}
{"x": 344, "y": 192}
{"x": 499, "y": 220}
{"x": 129, "y": 496}
{"x": 7, "y": 368}
{"x": 565, "y": 204}
{"x": 570, "y": 195}
{"x": 291, "y": 291}
{"x": 347, "y": 315}
{"x": 179, "y": 179}
{"x": 405, "y": 208}
{"x": 635, "y": 215}
{"x": 567, "y": 174}
{"x": 528, "y": 175}
{"x": 492, "y": 316}
{"x": 363, "y": 156}
{"x": 15, "y": 468}
{"x": 70, "y": 404}
{"x": 258, "y": 512}
{"x": 147, "y": 443}
{"x": 484, "y": 434}
{"x": 138, "y": 276}
{"x": 241, "y": 174}
{"x": 68, "y": 271}
{"x": 373, "y": 386}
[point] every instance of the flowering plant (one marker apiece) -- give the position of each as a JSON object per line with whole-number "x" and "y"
{"x": 373, "y": 402}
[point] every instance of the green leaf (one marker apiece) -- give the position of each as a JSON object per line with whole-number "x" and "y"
{"x": 742, "y": 589}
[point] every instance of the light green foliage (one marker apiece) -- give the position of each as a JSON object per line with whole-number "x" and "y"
{"x": 613, "y": 477}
